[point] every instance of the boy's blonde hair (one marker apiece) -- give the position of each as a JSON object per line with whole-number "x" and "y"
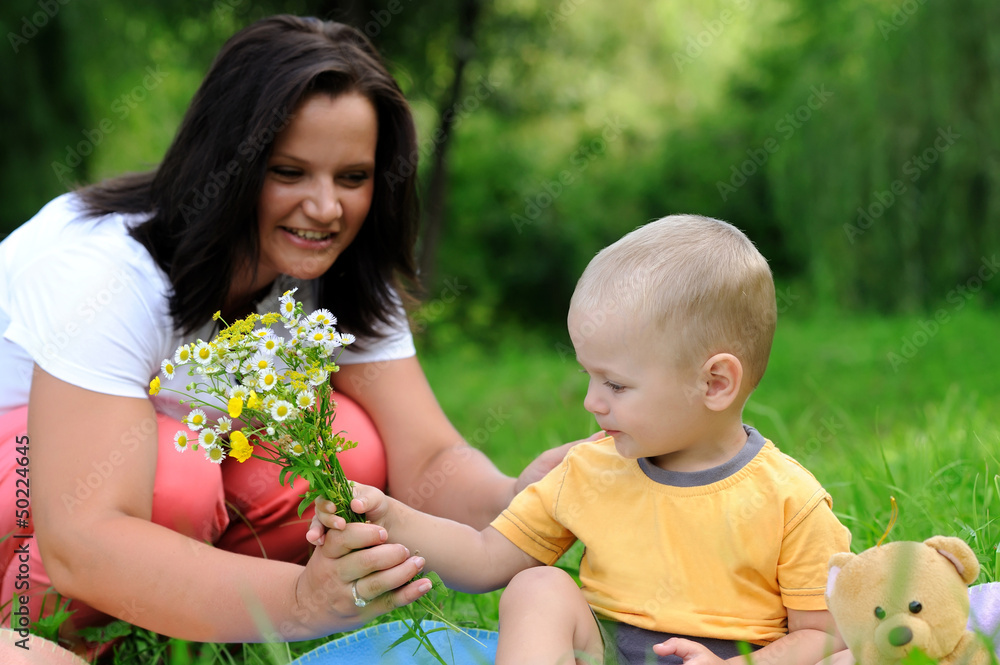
{"x": 699, "y": 277}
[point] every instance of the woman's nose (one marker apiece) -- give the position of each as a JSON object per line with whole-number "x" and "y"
{"x": 323, "y": 203}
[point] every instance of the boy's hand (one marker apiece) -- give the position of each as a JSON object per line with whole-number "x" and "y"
{"x": 368, "y": 501}
{"x": 692, "y": 652}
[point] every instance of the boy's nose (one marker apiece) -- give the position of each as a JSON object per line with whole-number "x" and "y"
{"x": 593, "y": 403}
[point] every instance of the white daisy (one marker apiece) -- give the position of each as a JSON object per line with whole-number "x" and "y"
{"x": 281, "y": 410}
{"x": 232, "y": 365}
{"x": 267, "y": 379}
{"x": 208, "y": 438}
{"x": 237, "y": 391}
{"x": 215, "y": 454}
{"x": 224, "y": 424}
{"x": 317, "y": 377}
{"x": 346, "y": 338}
{"x": 181, "y": 441}
{"x": 270, "y": 344}
{"x": 182, "y": 354}
{"x": 268, "y": 402}
{"x": 260, "y": 333}
{"x": 195, "y": 420}
{"x": 261, "y": 362}
{"x": 203, "y": 353}
{"x": 168, "y": 368}
{"x": 287, "y": 304}
{"x": 322, "y": 317}
{"x": 305, "y": 399}
{"x": 296, "y": 448}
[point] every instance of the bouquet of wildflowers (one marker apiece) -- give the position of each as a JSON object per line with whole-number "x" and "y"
{"x": 277, "y": 395}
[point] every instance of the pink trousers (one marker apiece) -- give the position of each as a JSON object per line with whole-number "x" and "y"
{"x": 240, "y": 507}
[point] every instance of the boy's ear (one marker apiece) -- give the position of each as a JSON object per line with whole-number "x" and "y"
{"x": 722, "y": 375}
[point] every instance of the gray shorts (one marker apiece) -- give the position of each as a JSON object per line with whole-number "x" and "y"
{"x": 625, "y": 644}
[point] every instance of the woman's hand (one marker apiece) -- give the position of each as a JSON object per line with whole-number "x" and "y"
{"x": 547, "y": 461}
{"x": 354, "y": 574}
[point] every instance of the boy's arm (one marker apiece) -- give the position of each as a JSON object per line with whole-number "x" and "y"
{"x": 466, "y": 559}
{"x": 812, "y": 637}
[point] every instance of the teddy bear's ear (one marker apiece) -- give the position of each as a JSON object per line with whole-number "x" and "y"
{"x": 837, "y": 561}
{"x": 840, "y": 560}
{"x": 959, "y": 554}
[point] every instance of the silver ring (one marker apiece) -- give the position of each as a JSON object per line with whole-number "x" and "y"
{"x": 358, "y": 600}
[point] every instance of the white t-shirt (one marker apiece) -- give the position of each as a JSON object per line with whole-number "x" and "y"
{"x": 87, "y": 303}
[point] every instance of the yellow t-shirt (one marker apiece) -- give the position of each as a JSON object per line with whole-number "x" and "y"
{"x": 720, "y": 560}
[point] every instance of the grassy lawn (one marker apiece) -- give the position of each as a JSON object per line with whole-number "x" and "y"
{"x": 917, "y": 425}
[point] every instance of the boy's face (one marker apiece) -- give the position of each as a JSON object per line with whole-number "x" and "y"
{"x": 639, "y": 393}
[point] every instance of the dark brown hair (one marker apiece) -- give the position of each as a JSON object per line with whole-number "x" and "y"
{"x": 203, "y": 197}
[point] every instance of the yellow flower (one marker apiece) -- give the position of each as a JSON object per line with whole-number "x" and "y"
{"x": 239, "y": 447}
{"x": 235, "y": 407}
{"x": 253, "y": 401}
{"x": 154, "y": 385}
{"x": 215, "y": 317}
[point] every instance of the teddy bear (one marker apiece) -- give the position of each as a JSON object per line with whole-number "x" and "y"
{"x": 899, "y": 596}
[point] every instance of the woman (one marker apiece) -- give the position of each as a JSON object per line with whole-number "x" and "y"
{"x": 279, "y": 177}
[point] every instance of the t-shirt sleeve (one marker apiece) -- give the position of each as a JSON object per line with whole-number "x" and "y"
{"x": 812, "y": 535}
{"x": 91, "y": 321}
{"x": 530, "y": 523}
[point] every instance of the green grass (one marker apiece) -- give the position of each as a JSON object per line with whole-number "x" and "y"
{"x": 922, "y": 431}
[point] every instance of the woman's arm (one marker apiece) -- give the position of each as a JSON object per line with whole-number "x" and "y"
{"x": 430, "y": 466}
{"x": 106, "y": 552}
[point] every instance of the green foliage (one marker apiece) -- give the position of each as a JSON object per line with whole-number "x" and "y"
{"x": 854, "y": 142}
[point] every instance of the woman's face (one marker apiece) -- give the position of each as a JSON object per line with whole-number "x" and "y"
{"x": 318, "y": 186}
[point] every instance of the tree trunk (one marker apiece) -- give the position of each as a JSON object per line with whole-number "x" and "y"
{"x": 436, "y": 193}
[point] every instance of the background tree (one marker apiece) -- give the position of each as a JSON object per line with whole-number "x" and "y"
{"x": 855, "y": 142}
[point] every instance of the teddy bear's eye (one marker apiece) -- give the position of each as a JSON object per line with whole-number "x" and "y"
{"x": 915, "y": 606}
{"x": 879, "y": 613}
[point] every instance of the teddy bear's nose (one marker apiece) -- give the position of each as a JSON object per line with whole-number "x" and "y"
{"x": 900, "y": 635}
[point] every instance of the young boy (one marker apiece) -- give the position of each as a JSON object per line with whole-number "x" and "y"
{"x": 699, "y": 533}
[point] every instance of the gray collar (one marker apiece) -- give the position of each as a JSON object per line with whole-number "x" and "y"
{"x": 707, "y": 476}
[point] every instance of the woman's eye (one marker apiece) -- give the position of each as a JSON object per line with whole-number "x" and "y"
{"x": 356, "y": 179}
{"x": 285, "y": 172}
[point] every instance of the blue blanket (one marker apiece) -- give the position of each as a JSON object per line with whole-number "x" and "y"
{"x": 371, "y": 645}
